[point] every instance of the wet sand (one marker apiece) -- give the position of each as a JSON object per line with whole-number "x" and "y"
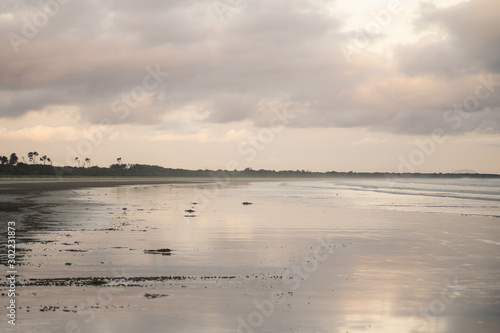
{"x": 91, "y": 264}
{"x": 26, "y": 186}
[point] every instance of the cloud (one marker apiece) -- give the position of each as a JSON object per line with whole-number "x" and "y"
{"x": 40, "y": 133}
{"x": 203, "y": 135}
{"x": 468, "y": 42}
{"x": 92, "y": 54}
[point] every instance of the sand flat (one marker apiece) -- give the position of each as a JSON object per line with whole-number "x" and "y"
{"x": 22, "y": 186}
{"x": 285, "y": 263}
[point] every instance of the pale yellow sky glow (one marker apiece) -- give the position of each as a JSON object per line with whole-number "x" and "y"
{"x": 319, "y": 85}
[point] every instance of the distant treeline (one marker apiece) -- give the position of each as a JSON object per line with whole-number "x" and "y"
{"x": 141, "y": 170}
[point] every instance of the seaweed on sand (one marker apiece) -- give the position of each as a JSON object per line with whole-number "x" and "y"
{"x": 164, "y": 252}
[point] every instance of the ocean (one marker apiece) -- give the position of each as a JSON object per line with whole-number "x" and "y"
{"x": 456, "y": 196}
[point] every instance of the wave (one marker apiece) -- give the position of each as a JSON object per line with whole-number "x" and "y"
{"x": 466, "y": 197}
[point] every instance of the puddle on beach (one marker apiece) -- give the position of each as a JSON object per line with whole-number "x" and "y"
{"x": 281, "y": 264}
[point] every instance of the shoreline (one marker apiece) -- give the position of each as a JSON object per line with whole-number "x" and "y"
{"x": 24, "y": 186}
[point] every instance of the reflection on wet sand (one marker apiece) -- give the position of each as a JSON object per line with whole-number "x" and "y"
{"x": 282, "y": 264}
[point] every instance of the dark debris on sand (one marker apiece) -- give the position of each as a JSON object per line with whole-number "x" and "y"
{"x": 165, "y": 252}
{"x": 113, "y": 281}
{"x": 153, "y": 296}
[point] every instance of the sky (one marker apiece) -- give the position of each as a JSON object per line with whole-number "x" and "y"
{"x": 346, "y": 85}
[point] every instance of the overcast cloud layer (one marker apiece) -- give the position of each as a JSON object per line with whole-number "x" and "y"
{"x": 238, "y": 60}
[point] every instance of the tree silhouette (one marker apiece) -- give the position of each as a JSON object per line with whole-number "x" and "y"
{"x": 30, "y": 156}
{"x": 13, "y": 159}
{"x": 35, "y": 155}
{"x": 78, "y": 160}
{"x": 87, "y": 160}
{"x": 49, "y": 160}
{"x": 44, "y": 159}
{"x": 4, "y": 160}
{"x": 119, "y": 160}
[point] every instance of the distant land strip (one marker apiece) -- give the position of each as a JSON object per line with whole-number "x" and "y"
{"x": 142, "y": 170}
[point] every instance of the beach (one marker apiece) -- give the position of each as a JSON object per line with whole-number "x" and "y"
{"x": 26, "y": 186}
{"x": 250, "y": 166}
{"x": 299, "y": 256}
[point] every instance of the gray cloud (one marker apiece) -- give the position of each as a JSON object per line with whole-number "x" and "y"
{"x": 93, "y": 53}
{"x": 473, "y": 44}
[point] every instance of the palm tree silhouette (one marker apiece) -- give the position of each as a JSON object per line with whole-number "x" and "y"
{"x": 87, "y": 160}
{"x": 119, "y": 160}
{"x": 13, "y": 159}
{"x": 78, "y": 160}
